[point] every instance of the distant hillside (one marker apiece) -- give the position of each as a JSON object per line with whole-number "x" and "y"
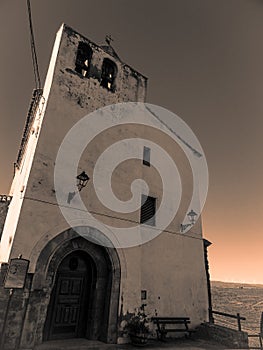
{"x": 221, "y": 284}
{"x": 243, "y": 298}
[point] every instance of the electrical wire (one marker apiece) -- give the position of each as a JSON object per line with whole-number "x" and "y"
{"x": 110, "y": 216}
{"x": 33, "y": 48}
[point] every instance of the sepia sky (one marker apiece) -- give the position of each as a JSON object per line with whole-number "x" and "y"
{"x": 204, "y": 61}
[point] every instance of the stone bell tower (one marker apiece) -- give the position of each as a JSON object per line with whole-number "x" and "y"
{"x": 81, "y": 78}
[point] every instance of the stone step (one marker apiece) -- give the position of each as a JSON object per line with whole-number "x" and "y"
{"x": 170, "y": 344}
{"x": 75, "y": 344}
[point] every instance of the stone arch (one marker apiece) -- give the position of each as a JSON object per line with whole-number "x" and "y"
{"x": 108, "y": 268}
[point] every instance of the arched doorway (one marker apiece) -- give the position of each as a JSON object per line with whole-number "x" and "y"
{"x": 99, "y": 275}
{"x": 71, "y": 299}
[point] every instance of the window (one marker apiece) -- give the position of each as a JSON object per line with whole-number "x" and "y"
{"x": 143, "y": 294}
{"x": 148, "y": 210}
{"x": 146, "y": 156}
{"x": 108, "y": 74}
{"x": 83, "y": 59}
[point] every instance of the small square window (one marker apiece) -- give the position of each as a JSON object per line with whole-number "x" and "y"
{"x": 143, "y": 294}
{"x": 146, "y": 156}
{"x": 148, "y": 210}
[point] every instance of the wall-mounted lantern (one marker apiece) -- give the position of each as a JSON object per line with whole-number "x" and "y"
{"x": 192, "y": 217}
{"x": 82, "y": 180}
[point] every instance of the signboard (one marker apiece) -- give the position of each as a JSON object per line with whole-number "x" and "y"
{"x": 16, "y": 274}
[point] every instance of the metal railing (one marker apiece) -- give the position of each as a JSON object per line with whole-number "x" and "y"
{"x": 237, "y": 317}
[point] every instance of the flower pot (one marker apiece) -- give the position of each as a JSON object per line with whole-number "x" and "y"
{"x": 139, "y": 339}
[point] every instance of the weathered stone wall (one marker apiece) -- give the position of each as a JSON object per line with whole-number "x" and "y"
{"x": 12, "y": 311}
{"x": 4, "y": 293}
{"x": 230, "y": 338}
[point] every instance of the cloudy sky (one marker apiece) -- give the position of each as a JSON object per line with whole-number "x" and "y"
{"x": 204, "y": 61}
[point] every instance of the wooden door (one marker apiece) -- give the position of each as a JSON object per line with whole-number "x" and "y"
{"x": 71, "y": 298}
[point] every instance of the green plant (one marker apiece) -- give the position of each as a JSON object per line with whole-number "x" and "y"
{"x": 138, "y": 323}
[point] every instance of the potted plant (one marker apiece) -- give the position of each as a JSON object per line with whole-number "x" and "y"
{"x": 138, "y": 327}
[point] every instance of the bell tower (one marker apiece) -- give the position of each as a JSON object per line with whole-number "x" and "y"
{"x": 81, "y": 78}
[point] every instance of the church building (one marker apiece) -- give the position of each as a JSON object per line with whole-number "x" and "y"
{"x": 57, "y": 280}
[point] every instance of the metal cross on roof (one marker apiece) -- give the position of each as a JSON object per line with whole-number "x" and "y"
{"x": 108, "y": 39}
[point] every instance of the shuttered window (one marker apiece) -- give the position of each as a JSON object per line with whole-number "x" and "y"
{"x": 148, "y": 210}
{"x": 146, "y": 156}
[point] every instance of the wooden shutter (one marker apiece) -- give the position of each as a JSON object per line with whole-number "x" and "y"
{"x": 148, "y": 209}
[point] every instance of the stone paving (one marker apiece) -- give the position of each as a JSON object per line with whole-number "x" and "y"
{"x": 175, "y": 344}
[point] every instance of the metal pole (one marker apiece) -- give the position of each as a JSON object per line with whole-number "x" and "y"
{"x": 239, "y": 322}
{"x": 261, "y": 331}
{"x": 5, "y": 318}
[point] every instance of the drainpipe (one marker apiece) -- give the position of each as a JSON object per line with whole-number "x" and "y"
{"x": 210, "y": 314}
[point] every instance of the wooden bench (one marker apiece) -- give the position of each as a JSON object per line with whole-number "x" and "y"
{"x": 163, "y": 322}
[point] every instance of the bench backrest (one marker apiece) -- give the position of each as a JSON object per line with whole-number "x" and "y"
{"x": 171, "y": 320}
